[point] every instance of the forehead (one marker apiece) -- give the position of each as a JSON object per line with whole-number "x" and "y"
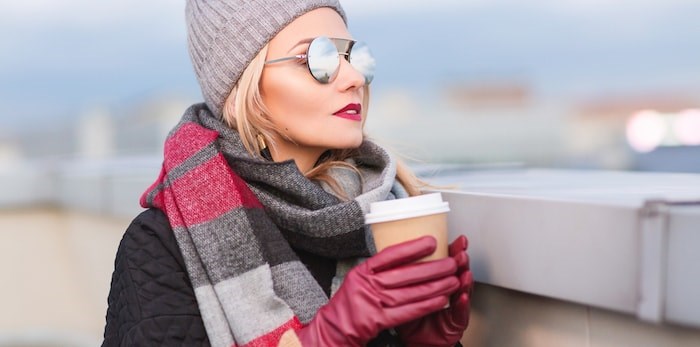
{"x": 319, "y": 22}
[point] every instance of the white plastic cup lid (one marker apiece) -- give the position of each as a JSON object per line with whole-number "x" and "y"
{"x": 415, "y": 206}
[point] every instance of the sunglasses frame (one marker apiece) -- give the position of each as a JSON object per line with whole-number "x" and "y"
{"x": 344, "y": 48}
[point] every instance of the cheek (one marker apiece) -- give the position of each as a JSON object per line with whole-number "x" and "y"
{"x": 287, "y": 97}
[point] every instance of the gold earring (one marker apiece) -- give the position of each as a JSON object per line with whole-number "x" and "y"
{"x": 261, "y": 142}
{"x": 264, "y": 151}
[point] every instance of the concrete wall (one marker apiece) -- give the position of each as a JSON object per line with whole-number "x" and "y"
{"x": 502, "y": 317}
{"x": 56, "y": 268}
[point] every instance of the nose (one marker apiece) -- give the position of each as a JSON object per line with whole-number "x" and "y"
{"x": 348, "y": 78}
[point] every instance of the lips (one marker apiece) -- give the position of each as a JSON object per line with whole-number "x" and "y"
{"x": 350, "y": 111}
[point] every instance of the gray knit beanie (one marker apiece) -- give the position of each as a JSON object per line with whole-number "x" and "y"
{"x": 224, "y": 36}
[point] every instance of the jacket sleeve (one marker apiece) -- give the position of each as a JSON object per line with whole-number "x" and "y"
{"x": 151, "y": 300}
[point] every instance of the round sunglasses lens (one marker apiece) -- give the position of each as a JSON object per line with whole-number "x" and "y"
{"x": 323, "y": 59}
{"x": 362, "y": 60}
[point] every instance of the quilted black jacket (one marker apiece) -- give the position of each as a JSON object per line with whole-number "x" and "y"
{"x": 151, "y": 300}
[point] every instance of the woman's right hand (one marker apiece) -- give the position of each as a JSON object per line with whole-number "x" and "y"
{"x": 387, "y": 290}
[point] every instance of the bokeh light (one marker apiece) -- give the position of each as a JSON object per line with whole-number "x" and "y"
{"x": 687, "y": 127}
{"x": 646, "y": 130}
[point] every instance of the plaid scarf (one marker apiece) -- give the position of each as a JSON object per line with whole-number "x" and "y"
{"x": 237, "y": 218}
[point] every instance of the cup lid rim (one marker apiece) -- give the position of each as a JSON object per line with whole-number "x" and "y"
{"x": 416, "y": 206}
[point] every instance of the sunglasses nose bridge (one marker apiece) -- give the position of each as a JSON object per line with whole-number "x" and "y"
{"x": 326, "y": 55}
{"x": 351, "y": 76}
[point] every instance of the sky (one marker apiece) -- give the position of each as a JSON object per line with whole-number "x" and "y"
{"x": 60, "y": 57}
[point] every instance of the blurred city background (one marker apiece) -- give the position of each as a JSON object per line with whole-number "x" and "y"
{"x": 89, "y": 90}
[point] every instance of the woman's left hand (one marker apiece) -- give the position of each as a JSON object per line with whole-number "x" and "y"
{"x": 446, "y": 327}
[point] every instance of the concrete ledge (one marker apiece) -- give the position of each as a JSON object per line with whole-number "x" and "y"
{"x": 617, "y": 240}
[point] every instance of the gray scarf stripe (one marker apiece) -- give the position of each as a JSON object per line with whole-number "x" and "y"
{"x": 291, "y": 277}
{"x": 193, "y": 262}
{"x": 151, "y": 195}
{"x": 295, "y": 218}
{"x": 199, "y": 158}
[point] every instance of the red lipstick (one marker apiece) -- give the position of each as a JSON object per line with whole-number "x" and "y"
{"x": 350, "y": 111}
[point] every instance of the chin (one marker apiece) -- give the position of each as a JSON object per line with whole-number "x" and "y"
{"x": 351, "y": 139}
{"x": 348, "y": 144}
{"x": 355, "y": 142}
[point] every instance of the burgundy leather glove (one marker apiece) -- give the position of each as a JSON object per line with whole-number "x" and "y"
{"x": 386, "y": 290}
{"x": 444, "y": 328}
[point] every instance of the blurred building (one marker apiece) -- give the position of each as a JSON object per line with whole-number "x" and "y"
{"x": 138, "y": 127}
{"x": 9, "y": 150}
{"x": 47, "y": 140}
{"x": 474, "y": 123}
{"x": 142, "y": 127}
{"x": 601, "y": 133}
{"x": 489, "y": 94}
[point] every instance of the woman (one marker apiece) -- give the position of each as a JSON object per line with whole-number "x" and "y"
{"x": 255, "y": 227}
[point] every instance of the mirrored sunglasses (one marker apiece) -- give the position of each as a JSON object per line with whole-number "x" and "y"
{"x": 323, "y": 58}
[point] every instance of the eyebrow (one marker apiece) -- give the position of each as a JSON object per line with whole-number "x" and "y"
{"x": 301, "y": 42}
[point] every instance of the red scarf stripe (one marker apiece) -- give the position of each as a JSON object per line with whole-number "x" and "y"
{"x": 195, "y": 136}
{"x": 158, "y": 198}
{"x": 211, "y": 190}
{"x": 273, "y": 338}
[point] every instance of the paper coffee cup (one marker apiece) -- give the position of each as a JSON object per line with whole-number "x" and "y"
{"x": 400, "y": 220}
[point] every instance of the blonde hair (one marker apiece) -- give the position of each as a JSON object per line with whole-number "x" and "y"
{"x": 245, "y": 111}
